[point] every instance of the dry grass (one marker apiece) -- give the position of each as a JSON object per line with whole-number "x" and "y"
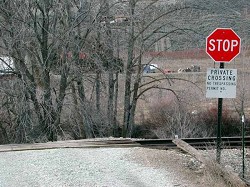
{"x": 193, "y": 90}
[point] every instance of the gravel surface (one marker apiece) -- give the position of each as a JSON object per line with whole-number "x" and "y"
{"x": 111, "y": 167}
{"x": 78, "y": 167}
{"x": 232, "y": 160}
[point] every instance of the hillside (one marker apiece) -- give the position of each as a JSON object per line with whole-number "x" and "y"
{"x": 193, "y": 90}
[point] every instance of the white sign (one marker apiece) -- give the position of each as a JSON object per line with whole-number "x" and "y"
{"x": 221, "y": 83}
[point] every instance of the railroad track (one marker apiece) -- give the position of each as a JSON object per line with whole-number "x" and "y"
{"x": 198, "y": 143}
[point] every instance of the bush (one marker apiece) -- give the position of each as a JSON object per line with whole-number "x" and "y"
{"x": 166, "y": 120}
{"x": 231, "y": 125}
{"x": 143, "y": 131}
{"x": 173, "y": 118}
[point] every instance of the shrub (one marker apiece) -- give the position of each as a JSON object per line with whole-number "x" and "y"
{"x": 143, "y": 131}
{"x": 231, "y": 125}
{"x": 166, "y": 120}
{"x": 173, "y": 118}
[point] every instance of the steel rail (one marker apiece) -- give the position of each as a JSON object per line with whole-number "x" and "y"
{"x": 199, "y": 143}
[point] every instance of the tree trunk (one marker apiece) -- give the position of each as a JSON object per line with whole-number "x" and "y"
{"x": 86, "y": 118}
{"x": 61, "y": 96}
{"x": 110, "y": 61}
{"x": 77, "y": 114}
{"x": 48, "y": 110}
{"x": 127, "y": 97}
{"x": 98, "y": 91}
{"x": 111, "y": 101}
{"x": 115, "y": 125}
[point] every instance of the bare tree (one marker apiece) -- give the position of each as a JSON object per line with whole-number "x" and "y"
{"x": 39, "y": 38}
{"x": 57, "y": 86}
{"x": 143, "y": 33}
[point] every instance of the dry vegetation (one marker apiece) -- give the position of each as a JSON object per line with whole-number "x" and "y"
{"x": 158, "y": 112}
{"x": 190, "y": 89}
{"x": 68, "y": 60}
{"x": 193, "y": 89}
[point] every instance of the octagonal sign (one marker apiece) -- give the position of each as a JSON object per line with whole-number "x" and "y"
{"x": 223, "y": 45}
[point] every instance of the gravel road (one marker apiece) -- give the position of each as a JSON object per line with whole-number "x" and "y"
{"x": 102, "y": 167}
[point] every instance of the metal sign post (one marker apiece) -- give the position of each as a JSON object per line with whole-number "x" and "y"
{"x": 243, "y": 145}
{"x": 222, "y": 45}
{"x": 220, "y": 102}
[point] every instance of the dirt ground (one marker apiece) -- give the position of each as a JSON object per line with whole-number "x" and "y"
{"x": 186, "y": 170}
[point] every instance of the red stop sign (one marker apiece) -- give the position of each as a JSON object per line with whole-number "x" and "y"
{"x": 223, "y": 45}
